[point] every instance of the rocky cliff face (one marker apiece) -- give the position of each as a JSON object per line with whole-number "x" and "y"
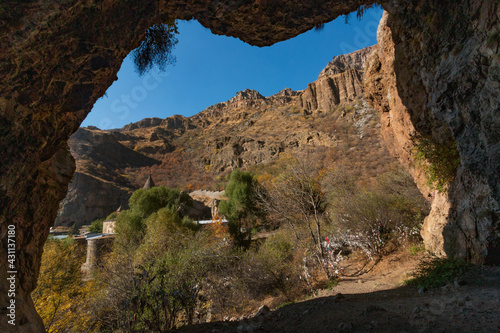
{"x": 435, "y": 73}
{"x": 176, "y": 122}
{"x": 90, "y": 198}
{"x": 98, "y": 186}
{"x": 340, "y": 82}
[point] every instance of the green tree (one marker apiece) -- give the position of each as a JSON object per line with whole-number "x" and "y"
{"x": 170, "y": 265}
{"x": 73, "y": 230}
{"x": 164, "y": 229}
{"x": 145, "y": 202}
{"x": 168, "y": 286}
{"x": 130, "y": 228}
{"x": 240, "y": 208}
{"x": 131, "y": 224}
{"x": 96, "y": 226}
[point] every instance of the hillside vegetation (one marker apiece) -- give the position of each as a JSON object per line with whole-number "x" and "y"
{"x": 287, "y": 236}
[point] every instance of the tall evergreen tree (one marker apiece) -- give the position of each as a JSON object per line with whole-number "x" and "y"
{"x": 240, "y": 208}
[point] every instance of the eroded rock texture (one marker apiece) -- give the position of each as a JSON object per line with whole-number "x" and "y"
{"x": 340, "y": 82}
{"x": 436, "y": 72}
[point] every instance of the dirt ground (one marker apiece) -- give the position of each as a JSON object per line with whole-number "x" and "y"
{"x": 371, "y": 297}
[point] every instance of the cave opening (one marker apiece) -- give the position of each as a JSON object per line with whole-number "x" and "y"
{"x": 59, "y": 57}
{"x": 138, "y": 128}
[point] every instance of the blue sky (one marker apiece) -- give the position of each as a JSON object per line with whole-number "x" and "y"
{"x": 211, "y": 69}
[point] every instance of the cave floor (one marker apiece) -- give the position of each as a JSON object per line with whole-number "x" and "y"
{"x": 372, "y": 297}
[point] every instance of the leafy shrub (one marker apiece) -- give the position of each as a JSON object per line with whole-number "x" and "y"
{"x": 169, "y": 286}
{"x": 164, "y": 229}
{"x": 96, "y": 226}
{"x": 157, "y": 281}
{"x": 272, "y": 267}
{"x": 437, "y": 272}
{"x": 438, "y": 160}
{"x": 131, "y": 224}
{"x": 130, "y": 227}
{"x": 368, "y": 218}
{"x": 145, "y": 202}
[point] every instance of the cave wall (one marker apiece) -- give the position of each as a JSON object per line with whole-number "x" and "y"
{"x": 57, "y": 58}
{"x": 436, "y": 72}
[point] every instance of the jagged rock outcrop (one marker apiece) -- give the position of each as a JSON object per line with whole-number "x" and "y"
{"x": 146, "y": 122}
{"x": 245, "y": 95}
{"x": 236, "y": 152}
{"x": 284, "y": 96}
{"x": 340, "y": 82}
{"x": 342, "y": 63}
{"x": 177, "y": 122}
{"x": 174, "y": 122}
{"x": 245, "y": 98}
{"x": 436, "y": 73}
{"x": 287, "y": 92}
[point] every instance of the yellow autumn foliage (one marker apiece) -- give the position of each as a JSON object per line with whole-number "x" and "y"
{"x": 61, "y": 297}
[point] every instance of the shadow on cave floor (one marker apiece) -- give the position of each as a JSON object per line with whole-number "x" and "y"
{"x": 473, "y": 307}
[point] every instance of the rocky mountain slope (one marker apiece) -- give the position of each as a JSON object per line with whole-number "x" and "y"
{"x": 248, "y": 131}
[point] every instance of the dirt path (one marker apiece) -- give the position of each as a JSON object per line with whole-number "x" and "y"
{"x": 372, "y": 298}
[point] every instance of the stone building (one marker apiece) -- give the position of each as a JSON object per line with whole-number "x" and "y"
{"x": 108, "y": 227}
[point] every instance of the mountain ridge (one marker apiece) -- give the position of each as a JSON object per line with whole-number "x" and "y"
{"x": 248, "y": 131}
{"x": 339, "y": 64}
